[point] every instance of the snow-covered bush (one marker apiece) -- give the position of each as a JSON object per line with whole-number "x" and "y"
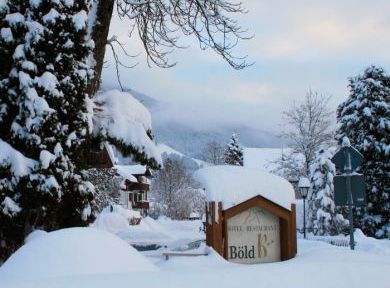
{"x": 365, "y": 119}
{"x": 75, "y": 251}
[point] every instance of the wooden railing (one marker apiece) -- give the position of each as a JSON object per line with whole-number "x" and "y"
{"x": 141, "y": 205}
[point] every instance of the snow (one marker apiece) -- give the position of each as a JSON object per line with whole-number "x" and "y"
{"x": 35, "y": 3}
{"x": 116, "y": 220}
{"x": 163, "y": 232}
{"x": 120, "y": 116}
{"x": 317, "y": 264}
{"x": 69, "y": 3}
{"x": 6, "y": 34}
{"x": 303, "y": 182}
{"x": 127, "y": 171}
{"x": 49, "y": 82}
{"x": 194, "y": 215}
{"x": 169, "y": 150}
{"x": 10, "y": 207}
{"x": 51, "y": 16}
{"x": 346, "y": 142}
{"x": 19, "y": 164}
{"x": 80, "y": 20}
{"x": 91, "y": 16}
{"x": 19, "y": 54}
{"x": 14, "y": 18}
{"x": 111, "y": 222}
{"x": 163, "y": 148}
{"x": 46, "y": 158}
{"x": 35, "y": 235}
{"x": 28, "y": 65}
{"x": 3, "y": 4}
{"x": 234, "y": 184}
{"x": 74, "y": 251}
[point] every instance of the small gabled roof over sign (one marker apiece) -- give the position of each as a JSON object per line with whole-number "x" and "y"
{"x": 233, "y": 185}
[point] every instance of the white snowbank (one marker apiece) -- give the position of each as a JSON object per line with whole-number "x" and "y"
{"x": 120, "y": 116}
{"x": 111, "y": 222}
{"x": 116, "y": 220}
{"x": 74, "y": 251}
{"x": 235, "y": 184}
{"x": 147, "y": 232}
{"x": 36, "y": 234}
{"x": 20, "y": 165}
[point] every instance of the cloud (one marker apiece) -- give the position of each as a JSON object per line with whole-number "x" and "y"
{"x": 298, "y": 45}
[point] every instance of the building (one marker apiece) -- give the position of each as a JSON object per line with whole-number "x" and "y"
{"x": 134, "y": 194}
{"x": 136, "y": 178}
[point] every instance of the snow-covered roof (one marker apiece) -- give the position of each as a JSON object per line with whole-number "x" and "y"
{"x": 128, "y": 171}
{"x": 233, "y": 185}
{"x": 75, "y": 251}
{"x": 163, "y": 148}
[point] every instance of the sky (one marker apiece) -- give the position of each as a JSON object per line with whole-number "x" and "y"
{"x": 297, "y": 45}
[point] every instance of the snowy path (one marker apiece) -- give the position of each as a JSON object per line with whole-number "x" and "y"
{"x": 317, "y": 265}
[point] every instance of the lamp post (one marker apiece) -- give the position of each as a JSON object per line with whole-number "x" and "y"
{"x": 303, "y": 186}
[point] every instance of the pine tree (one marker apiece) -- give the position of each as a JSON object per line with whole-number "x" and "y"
{"x": 43, "y": 118}
{"x": 365, "y": 119}
{"x": 323, "y": 216}
{"x": 233, "y": 153}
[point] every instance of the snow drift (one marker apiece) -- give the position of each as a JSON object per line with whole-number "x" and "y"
{"x": 74, "y": 251}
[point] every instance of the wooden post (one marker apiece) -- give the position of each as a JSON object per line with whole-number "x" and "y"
{"x": 294, "y": 228}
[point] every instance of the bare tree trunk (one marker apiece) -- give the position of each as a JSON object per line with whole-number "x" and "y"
{"x": 99, "y": 35}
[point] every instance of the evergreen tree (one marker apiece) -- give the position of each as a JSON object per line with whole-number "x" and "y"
{"x": 323, "y": 216}
{"x": 365, "y": 119}
{"x": 233, "y": 154}
{"x": 43, "y": 118}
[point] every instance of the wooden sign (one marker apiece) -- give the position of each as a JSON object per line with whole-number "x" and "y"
{"x": 254, "y": 231}
{"x": 253, "y": 237}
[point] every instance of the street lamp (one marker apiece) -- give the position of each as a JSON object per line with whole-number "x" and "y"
{"x": 303, "y": 186}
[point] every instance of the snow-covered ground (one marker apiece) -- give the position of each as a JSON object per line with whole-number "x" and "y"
{"x": 317, "y": 265}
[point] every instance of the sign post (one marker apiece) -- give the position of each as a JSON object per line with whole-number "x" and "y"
{"x": 348, "y": 171}
{"x": 346, "y": 160}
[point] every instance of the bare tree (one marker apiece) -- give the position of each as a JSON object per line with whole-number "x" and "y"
{"x": 309, "y": 126}
{"x": 289, "y": 165}
{"x": 175, "y": 193}
{"x": 213, "y": 153}
{"x": 159, "y": 23}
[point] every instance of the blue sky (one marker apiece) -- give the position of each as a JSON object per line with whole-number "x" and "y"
{"x": 298, "y": 45}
